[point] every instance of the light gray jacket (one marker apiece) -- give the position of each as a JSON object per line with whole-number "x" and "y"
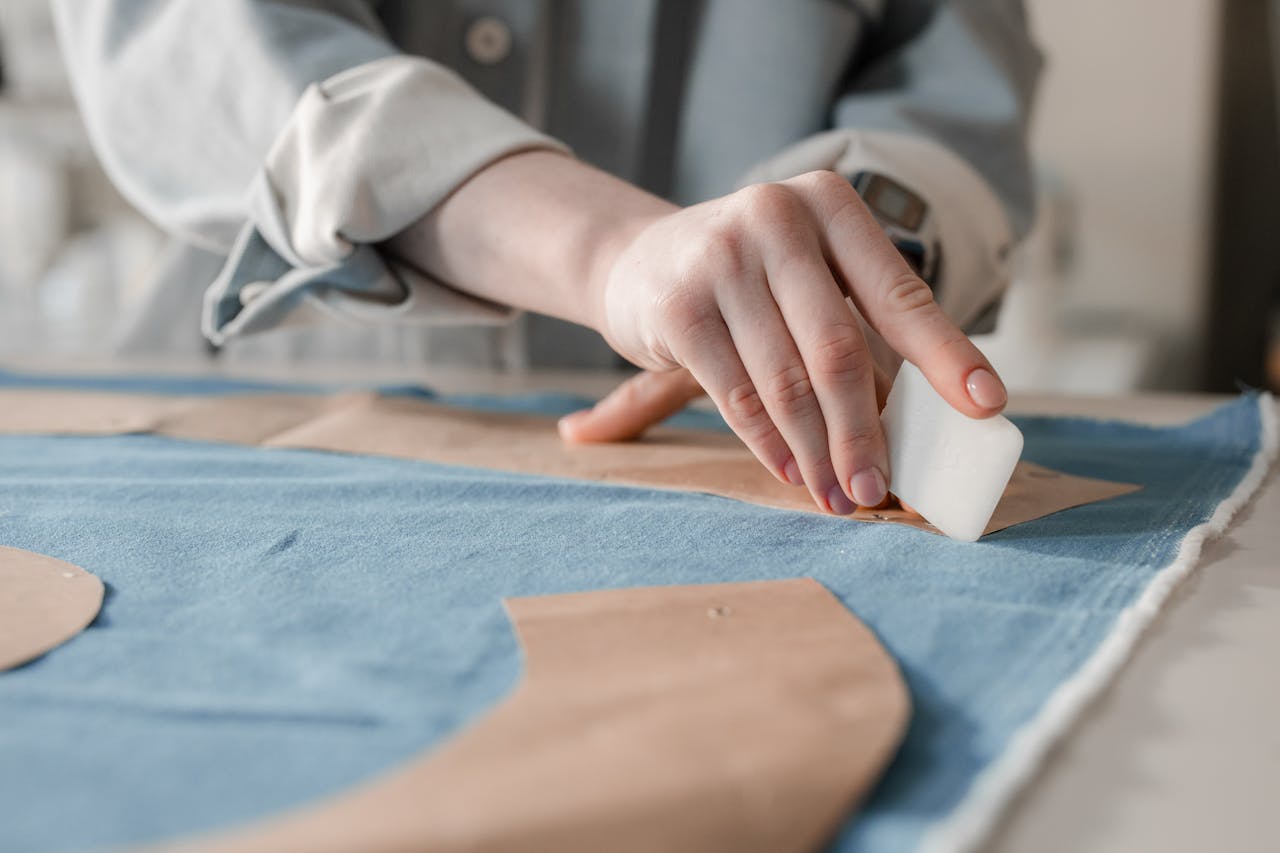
{"x": 279, "y": 142}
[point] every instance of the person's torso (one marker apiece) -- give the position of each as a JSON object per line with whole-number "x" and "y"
{"x": 680, "y": 96}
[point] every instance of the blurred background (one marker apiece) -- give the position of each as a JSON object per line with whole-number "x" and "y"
{"x": 1155, "y": 263}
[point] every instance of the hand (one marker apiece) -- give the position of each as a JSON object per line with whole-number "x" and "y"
{"x": 647, "y": 399}
{"x": 747, "y": 293}
{"x": 640, "y": 402}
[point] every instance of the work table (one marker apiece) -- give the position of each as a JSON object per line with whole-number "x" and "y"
{"x": 1181, "y": 753}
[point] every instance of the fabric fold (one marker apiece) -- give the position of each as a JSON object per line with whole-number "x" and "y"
{"x": 356, "y": 164}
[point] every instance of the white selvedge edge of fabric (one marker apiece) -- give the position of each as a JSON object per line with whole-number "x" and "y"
{"x": 972, "y": 821}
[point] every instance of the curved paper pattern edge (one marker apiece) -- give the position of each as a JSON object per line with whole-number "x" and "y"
{"x": 44, "y": 602}
{"x": 747, "y": 716}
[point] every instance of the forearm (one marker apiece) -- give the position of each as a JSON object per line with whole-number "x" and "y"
{"x": 536, "y": 230}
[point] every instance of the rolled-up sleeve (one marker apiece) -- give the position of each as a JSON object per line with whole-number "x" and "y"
{"x": 943, "y": 108}
{"x": 291, "y": 137}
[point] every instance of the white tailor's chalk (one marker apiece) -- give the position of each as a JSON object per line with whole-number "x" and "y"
{"x": 949, "y": 467}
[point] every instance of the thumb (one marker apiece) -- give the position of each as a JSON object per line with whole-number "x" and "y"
{"x": 637, "y": 404}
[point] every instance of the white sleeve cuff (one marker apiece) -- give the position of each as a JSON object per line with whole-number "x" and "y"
{"x": 365, "y": 154}
{"x": 974, "y": 233}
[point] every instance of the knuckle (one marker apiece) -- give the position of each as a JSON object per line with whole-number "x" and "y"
{"x": 744, "y": 407}
{"x": 683, "y": 313}
{"x": 848, "y": 213}
{"x": 821, "y": 462}
{"x": 841, "y": 353}
{"x": 719, "y": 253}
{"x": 906, "y": 293}
{"x": 768, "y": 203}
{"x": 790, "y": 388}
{"x": 826, "y": 181}
{"x": 956, "y": 341}
{"x": 857, "y": 441}
{"x": 844, "y": 206}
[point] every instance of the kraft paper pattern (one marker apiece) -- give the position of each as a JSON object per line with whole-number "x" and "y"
{"x": 405, "y": 427}
{"x": 740, "y": 716}
{"x": 43, "y": 603}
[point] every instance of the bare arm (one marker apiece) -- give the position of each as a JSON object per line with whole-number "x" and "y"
{"x": 535, "y": 231}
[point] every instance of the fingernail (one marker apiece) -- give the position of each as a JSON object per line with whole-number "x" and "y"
{"x": 838, "y": 501}
{"x": 985, "y": 389}
{"x": 792, "y": 472}
{"x": 868, "y": 487}
{"x": 566, "y": 425}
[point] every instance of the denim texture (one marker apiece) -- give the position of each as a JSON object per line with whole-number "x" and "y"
{"x": 282, "y": 624}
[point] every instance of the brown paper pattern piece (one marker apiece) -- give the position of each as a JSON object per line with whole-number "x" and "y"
{"x": 43, "y": 603}
{"x": 743, "y": 716}
{"x": 666, "y": 458}
{"x": 25, "y": 411}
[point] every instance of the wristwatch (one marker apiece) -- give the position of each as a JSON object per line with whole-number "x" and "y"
{"x": 905, "y": 217}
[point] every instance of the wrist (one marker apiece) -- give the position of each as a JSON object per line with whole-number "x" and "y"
{"x": 536, "y": 230}
{"x": 605, "y": 253}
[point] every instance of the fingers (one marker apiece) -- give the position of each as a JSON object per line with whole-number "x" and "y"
{"x": 637, "y": 404}
{"x": 883, "y": 386}
{"x": 895, "y": 301}
{"x": 781, "y": 382}
{"x": 712, "y": 359}
{"x": 839, "y": 363}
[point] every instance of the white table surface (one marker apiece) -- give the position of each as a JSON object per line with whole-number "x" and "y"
{"x": 1181, "y": 753}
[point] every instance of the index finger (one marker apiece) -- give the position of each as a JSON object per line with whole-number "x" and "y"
{"x": 895, "y": 301}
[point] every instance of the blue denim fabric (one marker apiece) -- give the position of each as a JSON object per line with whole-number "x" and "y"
{"x": 281, "y": 624}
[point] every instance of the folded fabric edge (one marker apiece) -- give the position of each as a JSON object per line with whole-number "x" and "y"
{"x": 308, "y": 251}
{"x": 982, "y": 808}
